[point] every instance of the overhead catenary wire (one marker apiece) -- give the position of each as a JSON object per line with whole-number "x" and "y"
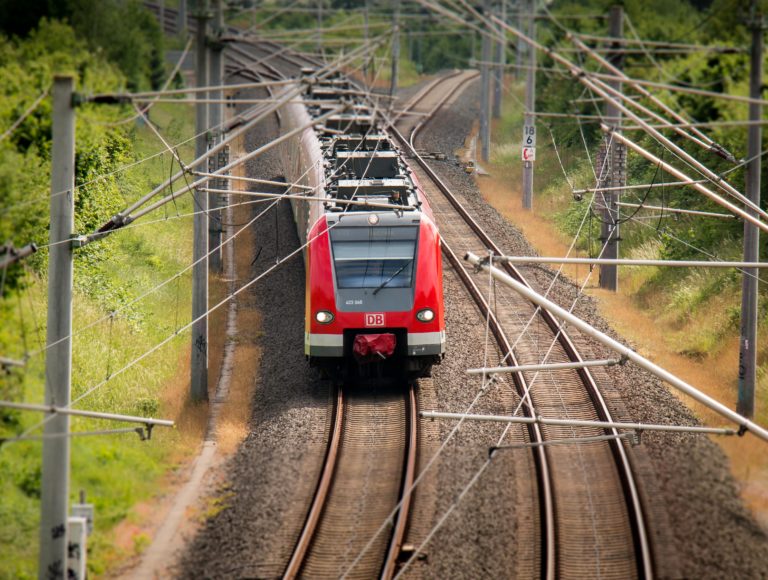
{"x": 614, "y": 345}
{"x": 169, "y": 338}
{"x": 624, "y": 40}
{"x": 166, "y": 84}
{"x": 122, "y": 217}
{"x": 607, "y": 92}
{"x": 683, "y": 177}
{"x": 649, "y": 55}
{"x": 197, "y": 184}
{"x": 312, "y": 199}
{"x": 288, "y": 186}
{"x": 635, "y": 82}
{"x": 623, "y": 77}
{"x": 679, "y": 210}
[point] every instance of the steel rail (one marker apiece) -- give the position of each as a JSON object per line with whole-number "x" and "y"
{"x": 625, "y": 472}
{"x": 326, "y": 483}
{"x": 414, "y": 100}
{"x": 321, "y": 493}
{"x": 543, "y": 471}
{"x": 406, "y": 490}
{"x": 438, "y": 106}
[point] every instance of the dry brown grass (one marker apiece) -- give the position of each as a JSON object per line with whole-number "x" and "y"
{"x": 233, "y": 421}
{"x": 217, "y": 331}
{"x": 191, "y": 418}
{"x": 655, "y": 338}
{"x": 232, "y": 424}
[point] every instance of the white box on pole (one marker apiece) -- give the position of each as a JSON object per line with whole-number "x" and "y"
{"x": 77, "y": 547}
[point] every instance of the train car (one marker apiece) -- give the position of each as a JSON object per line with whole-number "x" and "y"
{"x": 374, "y": 295}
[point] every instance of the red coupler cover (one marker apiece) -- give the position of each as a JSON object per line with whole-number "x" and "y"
{"x": 374, "y": 345}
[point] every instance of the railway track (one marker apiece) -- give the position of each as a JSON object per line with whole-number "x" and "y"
{"x": 592, "y": 521}
{"x": 370, "y": 460}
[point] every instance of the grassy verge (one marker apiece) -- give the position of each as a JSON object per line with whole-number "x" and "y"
{"x": 687, "y": 321}
{"x": 115, "y": 471}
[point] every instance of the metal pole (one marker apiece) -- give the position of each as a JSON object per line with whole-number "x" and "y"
{"x": 522, "y": 46}
{"x": 576, "y": 423}
{"x": 530, "y": 107}
{"x": 395, "y": 51}
{"x": 199, "y": 366}
{"x": 748, "y": 339}
{"x": 215, "y": 118}
{"x": 485, "y": 92}
{"x": 58, "y": 361}
{"x": 614, "y": 166}
{"x": 628, "y": 262}
{"x": 500, "y": 60}
{"x": 181, "y": 24}
{"x": 365, "y": 32}
{"x": 608, "y": 362}
{"x": 616, "y": 346}
{"x": 80, "y": 413}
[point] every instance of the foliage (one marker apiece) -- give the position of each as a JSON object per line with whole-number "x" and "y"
{"x": 720, "y": 23}
{"x": 116, "y": 471}
{"x": 124, "y": 32}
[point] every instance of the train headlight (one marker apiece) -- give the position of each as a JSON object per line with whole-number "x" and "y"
{"x": 426, "y": 315}
{"x": 373, "y": 219}
{"x": 324, "y": 317}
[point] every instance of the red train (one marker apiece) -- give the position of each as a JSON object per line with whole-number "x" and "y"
{"x": 374, "y": 293}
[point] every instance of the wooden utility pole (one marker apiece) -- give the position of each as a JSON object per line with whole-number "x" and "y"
{"x": 485, "y": 90}
{"x": 52, "y": 562}
{"x": 199, "y": 366}
{"x": 748, "y": 340}
{"x": 612, "y": 166}
{"x": 529, "y": 131}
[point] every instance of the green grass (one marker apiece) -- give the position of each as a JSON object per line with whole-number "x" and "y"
{"x": 116, "y": 471}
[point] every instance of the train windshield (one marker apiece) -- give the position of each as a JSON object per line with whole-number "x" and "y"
{"x": 367, "y": 257}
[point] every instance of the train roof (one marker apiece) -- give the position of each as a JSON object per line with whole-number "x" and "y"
{"x": 361, "y": 162}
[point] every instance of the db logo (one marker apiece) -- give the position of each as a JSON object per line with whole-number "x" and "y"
{"x": 375, "y": 319}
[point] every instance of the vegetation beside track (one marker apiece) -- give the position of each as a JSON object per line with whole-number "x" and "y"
{"x": 115, "y": 471}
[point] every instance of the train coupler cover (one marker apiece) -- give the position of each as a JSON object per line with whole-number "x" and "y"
{"x": 373, "y": 347}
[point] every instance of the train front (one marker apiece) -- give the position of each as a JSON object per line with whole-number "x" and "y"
{"x": 375, "y": 296}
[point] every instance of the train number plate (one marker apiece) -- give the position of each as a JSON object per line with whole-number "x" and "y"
{"x": 374, "y": 319}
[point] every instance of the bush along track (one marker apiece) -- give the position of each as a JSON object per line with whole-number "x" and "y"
{"x": 115, "y": 471}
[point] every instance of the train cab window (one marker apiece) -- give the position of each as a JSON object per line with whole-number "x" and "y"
{"x": 374, "y": 257}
